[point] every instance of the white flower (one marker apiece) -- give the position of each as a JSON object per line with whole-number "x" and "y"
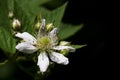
{"x": 46, "y": 44}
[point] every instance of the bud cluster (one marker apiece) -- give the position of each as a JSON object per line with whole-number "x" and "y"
{"x": 16, "y": 24}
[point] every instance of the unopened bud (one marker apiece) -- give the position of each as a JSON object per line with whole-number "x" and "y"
{"x": 64, "y": 52}
{"x": 37, "y": 25}
{"x": 10, "y": 15}
{"x": 49, "y": 26}
{"x": 16, "y": 24}
{"x": 64, "y": 43}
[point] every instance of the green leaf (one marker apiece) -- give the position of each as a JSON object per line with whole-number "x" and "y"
{"x": 78, "y": 46}
{"x": 21, "y": 13}
{"x": 4, "y": 20}
{"x": 26, "y": 11}
{"x": 30, "y": 7}
{"x": 53, "y": 15}
{"x": 67, "y": 30}
{"x": 32, "y": 3}
{"x": 7, "y": 42}
{"x": 11, "y": 5}
{"x": 52, "y": 4}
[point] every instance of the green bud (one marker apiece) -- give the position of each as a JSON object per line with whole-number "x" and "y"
{"x": 16, "y": 24}
{"x": 64, "y": 52}
{"x": 49, "y": 26}
{"x": 37, "y": 25}
{"x": 64, "y": 43}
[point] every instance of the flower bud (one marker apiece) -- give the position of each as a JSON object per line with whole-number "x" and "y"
{"x": 10, "y": 15}
{"x": 64, "y": 43}
{"x": 16, "y": 24}
{"x": 49, "y": 26}
{"x": 37, "y": 25}
{"x": 64, "y": 52}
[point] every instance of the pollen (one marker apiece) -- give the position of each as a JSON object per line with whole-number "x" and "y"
{"x": 44, "y": 43}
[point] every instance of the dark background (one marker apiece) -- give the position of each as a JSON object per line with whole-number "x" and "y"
{"x": 88, "y": 62}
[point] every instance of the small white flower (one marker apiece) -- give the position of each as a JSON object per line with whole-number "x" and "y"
{"x": 46, "y": 44}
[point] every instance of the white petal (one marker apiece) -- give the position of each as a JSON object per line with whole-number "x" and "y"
{"x": 58, "y": 58}
{"x": 42, "y": 30}
{"x": 26, "y": 37}
{"x": 43, "y": 62}
{"x": 53, "y": 36}
{"x": 64, "y": 47}
{"x": 26, "y": 47}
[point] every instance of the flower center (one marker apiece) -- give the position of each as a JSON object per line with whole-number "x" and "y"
{"x": 44, "y": 43}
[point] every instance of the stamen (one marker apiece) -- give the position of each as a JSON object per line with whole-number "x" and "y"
{"x": 44, "y": 43}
